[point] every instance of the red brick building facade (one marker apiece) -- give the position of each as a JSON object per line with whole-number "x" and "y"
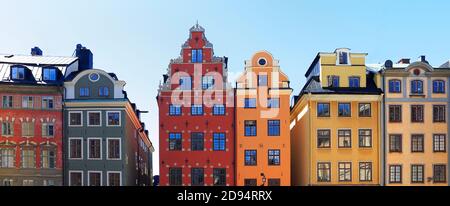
{"x": 196, "y": 115}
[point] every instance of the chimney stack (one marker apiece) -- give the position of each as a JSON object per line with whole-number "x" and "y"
{"x": 85, "y": 58}
{"x": 36, "y": 51}
{"x": 404, "y": 61}
{"x": 423, "y": 59}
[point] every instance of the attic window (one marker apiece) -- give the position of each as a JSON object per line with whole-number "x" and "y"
{"x": 344, "y": 58}
{"x": 18, "y": 73}
{"x": 49, "y": 74}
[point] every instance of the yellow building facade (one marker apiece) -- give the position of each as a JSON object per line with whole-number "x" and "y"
{"x": 417, "y": 124}
{"x": 336, "y": 123}
{"x": 262, "y": 124}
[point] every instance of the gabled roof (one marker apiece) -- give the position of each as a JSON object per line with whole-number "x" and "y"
{"x": 37, "y": 60}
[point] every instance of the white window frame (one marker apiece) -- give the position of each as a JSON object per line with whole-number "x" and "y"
{"x": 89, "y": 146}
{"x": 120, "y": 118}
{"x": 88, "y": 119}
{"x": 82, "y": 148}
{"x": 113, "y": 172}
{"x": 27, "y": 99}
{"x": 89, "y": 177}
{"x": 76, "y": 171}
{"x": 107, "y": 148}
{"x": 45, "y": 106}
{"x": 338, "y": 53}
{"x": 76, "y": 112}
{"x": 47, "y": 124}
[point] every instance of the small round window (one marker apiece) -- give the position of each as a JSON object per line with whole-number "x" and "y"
{"x": 262, "y": 62}
{"x": 94, "y": 77}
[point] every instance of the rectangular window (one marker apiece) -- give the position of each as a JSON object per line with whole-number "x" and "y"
{"x": 250, "y": 183}
{"x": 274, "y": 157}
{"x": 94, "y": 119}
{"x": 274, "y": 182}
{"x": 395, "y": 174}
{"x": 395, "y": 86}
{"x": 175, "y": 110}
{"x": 345, "y": 172}
{"x": 344, "y": 110}
{"x": 354, "y": 82}
{"x": 439, "y": 87}
{"x": 114, "y": 118}
{"x": 323, "y": 110}
{"x": 17, "y": 73}
{"x": 417, "y": 87}
{"x": 7, "y": 129}
{"x": 7, "y": 157}
{"x": 333, "y": 81}
{"x": 439, "y": 113}
{"x": 197, "y": 177}
{"x": 343, "y": 58}
{"x": 28, "y": 102}
{"x": 365, "y": 138}
{"x": 197, "y": 142}
{"x": 114, "y": 149}
{"x": 250, "y": 158}
{"x": 219, "y": 110}
{"x": 84, "y": 92}
{"x": 95, "y": 179}
{"x": 94, "y": 148}
{"x": 48, "y": 130}
{"x": 395, "y": 113}
{"x": 175, "y": 176}
{"x": 417, "y": 143}
{"x": 250, "y": 103}
{"x": 417, "y": 173}
{"x": 114, "y": 179}
{"x": 262, "y": 81}
{"x": 395, "y": 143}
{"x": 47, "y": 103}
{"x": 185, "y": 83}
{"x": 220, "y": 176}
{"x": 103, "y": 92}
{"x": 324, "y": 172}
{"x": 345, "y": 138}
{"x": 7, "y": 102}
{"x": 175, "y": 142}
{"x": 219, "y": 142}
{"x": 197, "y": 56}
{"x": 48, "y": 160}
{"x": 323, "y": 138}
{"x": 250, "y": 128}
{"x": 75, "y": 119}
{"x": 439, "y": 143}
{"x": 439, "y": 174}
{"x": 207, "y": 82}
{"x": 27, "y": 129}
{"x": 197, "y": 110}
{"x": 28, "y": 158}
{"x": 365, "y": 171}
{"x": 273, "y": 127}
{"x": 365, "y": 110}
{"x": 75, "y": 148}
{"x": 49, "y": 74}
{"x": 75, "y": 178}
{"x": 273, "y": 103}
{"x": 417, "y": 113}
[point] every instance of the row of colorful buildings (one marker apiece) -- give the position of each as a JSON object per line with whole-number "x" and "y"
{"x": 353, "y": 123}
{"x": 65, "y": 123}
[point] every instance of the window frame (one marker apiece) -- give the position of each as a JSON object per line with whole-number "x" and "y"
{"x": 370, "y": 168}
{"x": 19, "y": 69}
{"x": 324, "y": 169}
{"x": 107, "y": 148}
{"x": 273, "y": 156}
{"x": 217, "y": 110}
{"x": 70, "y": 149}
{"x": 194, "y": 147}
{"x": 364, "y": 115}
{"x": 251, "y": 128}
{"x": 400, "y": 175}
{"x": 420, "y": 179}
{"x": 359, "y": 138}
{"x": 248, "y": 105}
{"x": 394, "y": 150}
{"x": 273, "y": 129}
{"x": 437, "y": 89}
{"x": 197, "y": 110}
{"x": 416, "y": 149}
{"x": 81, "y": 118}
{"x": 178, "y": 177}
{"x": 107, "y": 118}
{"x": 86, "y": 92}
{"x": 444, "y": 166}
{"x": 49, "y": 69}
{"x": 250, "y": 156}
{"x": 174, "y": 108}
{"x": 391, "y": 89}
{"x": 344, "y": 136}
{"x": 76, "y": 172}
{"x": 345, "y": 169}
{"x": 219, "y": 138}
{"x": 351, "y": 80}
{"x": 89, "y": 148}
{"x": 414, "y": 118}
{"x": 437, "y": 119}
{"x": 417, "y": 89}
{"x": 439, "y": 143}
{"x": 349, "y": 109}
{"x": 89, "y": 119}
{"x": 323, "y": 137}
{"x": 113, "y": 172}
{"x": 328, "y": 114}
{"x": 180, "y": 143}
{"x": 89, "y": 177}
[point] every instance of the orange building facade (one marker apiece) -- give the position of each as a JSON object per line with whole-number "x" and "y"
{"x": 262, "y": 124}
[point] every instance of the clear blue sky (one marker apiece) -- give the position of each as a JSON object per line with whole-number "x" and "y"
{"x": 137, "y": 38}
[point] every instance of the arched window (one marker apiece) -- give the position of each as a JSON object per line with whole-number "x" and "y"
{"x": 417, "y": 87}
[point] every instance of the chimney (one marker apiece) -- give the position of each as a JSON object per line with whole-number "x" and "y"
{"x": 423, "y": 59}
{"x": 404, "y": 61}
{"x": 85, "y": 57}
{"x": 165, "y": 77}
{"x": 36, "y": 51}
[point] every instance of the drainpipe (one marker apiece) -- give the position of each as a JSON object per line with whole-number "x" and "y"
{"x": 383, "y": 134}
{"x": 63, "y": 131}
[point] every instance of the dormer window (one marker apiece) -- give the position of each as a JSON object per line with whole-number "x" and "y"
{"x": 49, "y": 74}
{"x": 354, "y": 82}
{"x": 344, "y": 57}
{"x": 197, "y": 56}
{"x": 18, "y": 73}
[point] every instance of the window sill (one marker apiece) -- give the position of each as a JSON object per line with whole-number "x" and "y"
{"x": 417, "y": 95}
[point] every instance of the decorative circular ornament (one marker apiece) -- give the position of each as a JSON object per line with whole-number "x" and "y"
{"x": 94, "y": 77}
{"x": 416, "y": 72}
{"x": 262, "y": 62}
